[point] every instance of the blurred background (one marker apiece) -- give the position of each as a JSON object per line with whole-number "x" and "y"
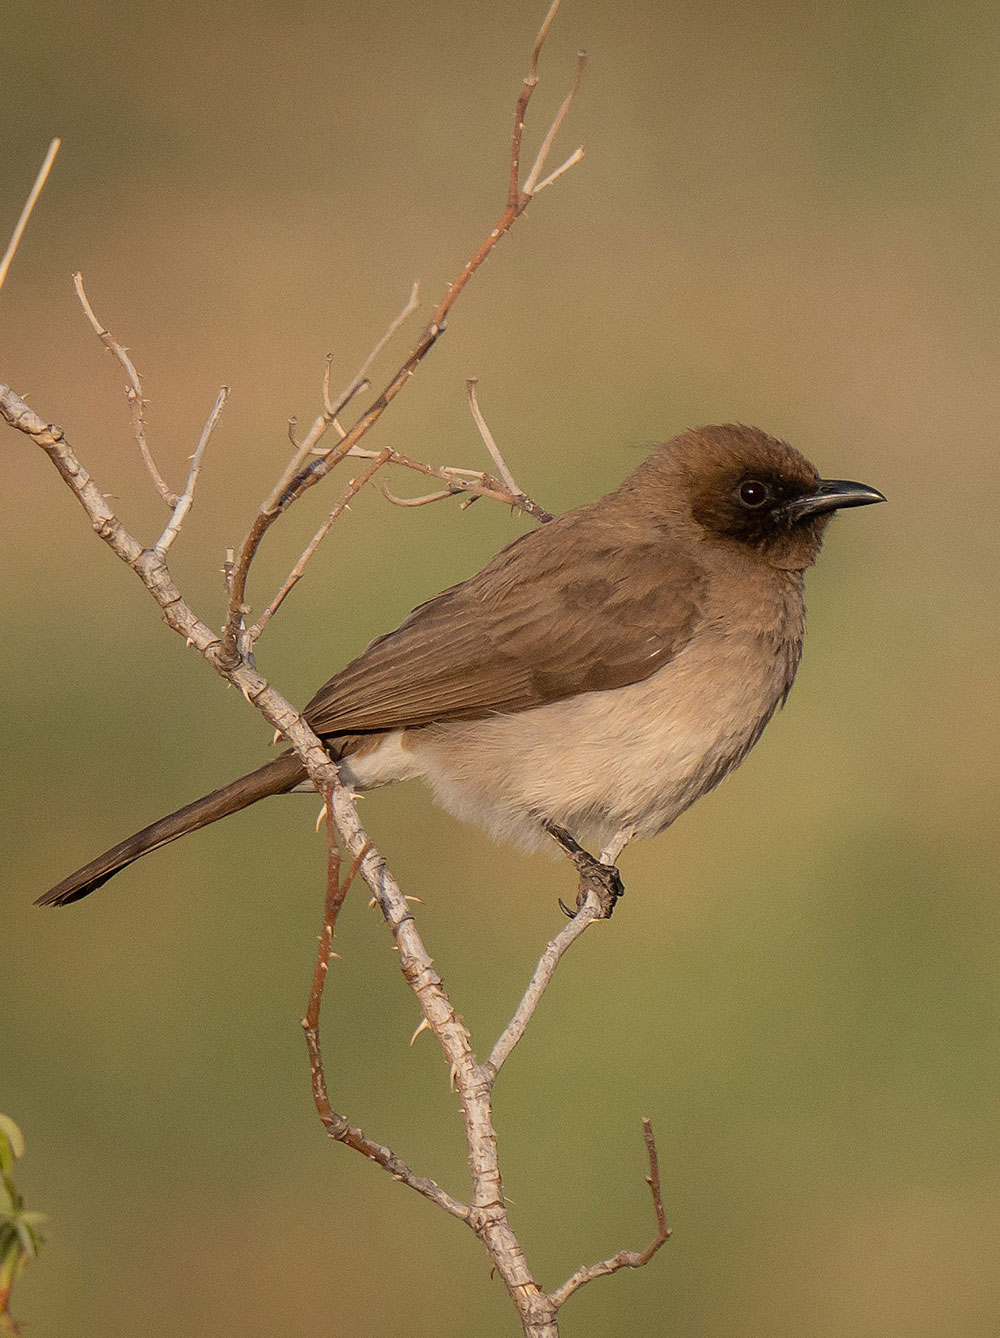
{"x": 787, "y": 215}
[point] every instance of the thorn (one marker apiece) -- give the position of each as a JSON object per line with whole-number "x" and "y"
{"x": 276, "y": 739}
{"x": 424, "y": 1026}
{"x": 320, "y": 817}
{"x": 372, "y": 904}
{"x": 418, "y": 900}
{"x": 453, "y": 1074}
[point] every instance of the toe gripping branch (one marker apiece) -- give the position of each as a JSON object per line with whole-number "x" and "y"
{"x": 603, "y": 880}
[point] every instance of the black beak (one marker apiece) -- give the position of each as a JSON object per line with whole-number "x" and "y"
{"x": 831, "y": 495}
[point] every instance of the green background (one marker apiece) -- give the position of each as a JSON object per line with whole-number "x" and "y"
{"x": 787, "y": 215}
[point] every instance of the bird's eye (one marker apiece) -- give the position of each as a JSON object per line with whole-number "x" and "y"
{"x": 753, "y": 494}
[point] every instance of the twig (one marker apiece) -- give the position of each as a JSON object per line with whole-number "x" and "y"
{"x": 530, "y": 184}
{"x": 328, "y": 403}
{"x": 575, "y": 157}
{"x": 425, "y": 500}
{"x": 338, "y": 1126}
{"x": 295, "y": 575}
{"x": 489, "y": 440}
{"x": 133, "y": 393}
{"x": 527, "y": 88}
{"x": 471, "y": 481}
{"x": 186, "y": 499}
{"x": 584, "y": 917}
{"x": 277, "y": 500}
{"x": 544, "y": 971}
{"x": 624, "y": 1258}
{"x": 360, "y": 380}
{"x": 29, "y": 205}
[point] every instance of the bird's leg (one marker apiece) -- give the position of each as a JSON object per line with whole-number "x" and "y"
{"x": 603, "y": 880}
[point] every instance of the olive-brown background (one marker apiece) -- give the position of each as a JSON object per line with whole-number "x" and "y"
{"x": 788, "y": 215}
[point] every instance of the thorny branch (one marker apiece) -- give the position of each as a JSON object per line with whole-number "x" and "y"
{"x": 487, "y": 1213}
{"x": 625, "y": 1258}
{"x": 338, "y": 1126}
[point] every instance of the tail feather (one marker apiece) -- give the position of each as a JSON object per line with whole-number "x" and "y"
{"x": 276, "y": 777}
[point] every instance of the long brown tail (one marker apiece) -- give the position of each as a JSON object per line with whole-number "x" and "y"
{"x": 276, "y": 777}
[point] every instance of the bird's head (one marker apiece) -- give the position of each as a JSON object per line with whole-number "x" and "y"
{"x": 741, "y": 487}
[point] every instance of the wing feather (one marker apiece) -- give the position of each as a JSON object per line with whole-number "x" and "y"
{"x": 586, "y": 602}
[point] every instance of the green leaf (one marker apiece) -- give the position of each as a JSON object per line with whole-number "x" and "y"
{"x": 11, "y": 1141}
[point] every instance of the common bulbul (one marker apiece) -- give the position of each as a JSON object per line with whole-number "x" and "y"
{"x": 596, "y": 677}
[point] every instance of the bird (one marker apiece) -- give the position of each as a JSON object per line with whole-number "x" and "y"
{"x": 595, "y": 678}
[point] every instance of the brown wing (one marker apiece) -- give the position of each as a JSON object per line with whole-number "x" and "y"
{"x": 582, "y": 603}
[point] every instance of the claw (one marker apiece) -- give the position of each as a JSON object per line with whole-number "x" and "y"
{"x": 603, "y": 880}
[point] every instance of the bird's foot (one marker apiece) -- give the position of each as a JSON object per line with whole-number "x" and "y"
{"x": 603, "y": 880}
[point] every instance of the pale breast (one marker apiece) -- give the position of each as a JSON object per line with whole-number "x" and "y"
{"x": 633, "y": 756}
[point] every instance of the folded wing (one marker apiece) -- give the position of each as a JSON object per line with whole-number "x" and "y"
{"x": 575, "y": 606}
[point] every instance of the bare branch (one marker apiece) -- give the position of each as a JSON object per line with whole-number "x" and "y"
{"x": 133, "y": 393}
{"x": 279, "y": 497}
{"x": 337, "y": 1125}
{"x": 543, "y": 32}
{"x": 488, "y": 439}
{"x": 473, "y": 482}
{"x": 590, "y": 911}
{"x": 624, "y": 1258}
{"x": 328, "y": 403}
{"x": 360, "y": 380}
{"x": 544, "y": 971}
{"x": 571, "y": 161}
{"x": 425, "y": 500}
{"x": 184, "y": 502}
{"x": 26, "y": 212}
{"x": 295, "y": 575}
{"x": 527, "y": 88}
{"x": 529, "y": 188}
